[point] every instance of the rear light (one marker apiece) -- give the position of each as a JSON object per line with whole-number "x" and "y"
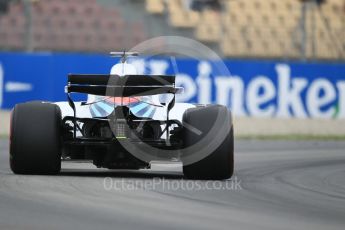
{"x": 121, "y": 129}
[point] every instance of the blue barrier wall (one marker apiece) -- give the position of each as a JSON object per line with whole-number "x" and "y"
{"x": 249, "y": 88}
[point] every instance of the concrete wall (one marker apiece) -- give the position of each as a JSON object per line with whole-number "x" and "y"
{"x": 259, "y": 127}
{"x": 4, "y": 123}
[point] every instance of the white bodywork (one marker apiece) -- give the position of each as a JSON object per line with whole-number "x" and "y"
{"x": 140, "y": 109}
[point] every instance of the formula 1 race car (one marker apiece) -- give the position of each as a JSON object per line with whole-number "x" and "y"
{"x": 124, "y": 124}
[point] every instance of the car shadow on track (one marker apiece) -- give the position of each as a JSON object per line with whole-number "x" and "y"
{"x": 120, "y": 174}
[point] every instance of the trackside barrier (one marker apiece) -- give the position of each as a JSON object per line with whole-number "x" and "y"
{"x": 251, "y": 88}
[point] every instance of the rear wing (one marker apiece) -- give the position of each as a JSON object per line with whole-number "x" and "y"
{"x": 116, "y": 86}
{"x": 126, "y": 86}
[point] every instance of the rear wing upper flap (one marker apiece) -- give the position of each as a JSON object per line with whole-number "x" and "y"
{"x": 128, "y": 80}
{"x": 129, "y": 85}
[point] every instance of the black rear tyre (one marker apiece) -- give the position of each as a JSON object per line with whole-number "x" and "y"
{"x": 35, "y": 139}
{"x": 218, "y": 164}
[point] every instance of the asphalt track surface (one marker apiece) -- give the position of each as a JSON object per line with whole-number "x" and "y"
{"x": 279, "y": 185}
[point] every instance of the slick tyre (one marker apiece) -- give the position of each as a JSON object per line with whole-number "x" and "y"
{"x": 35, "y": 139}
{"x": 218, "y": 164}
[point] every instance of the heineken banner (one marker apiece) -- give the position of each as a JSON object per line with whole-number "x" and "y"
{"x": 248, "y": 87}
